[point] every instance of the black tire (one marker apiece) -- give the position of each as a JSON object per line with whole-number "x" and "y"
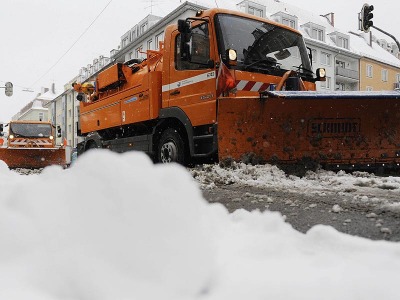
{"x": 92, "y": 145}
{"x": 171, "y": 147}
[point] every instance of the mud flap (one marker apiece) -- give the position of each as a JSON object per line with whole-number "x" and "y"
{"x": 33, "y": 158}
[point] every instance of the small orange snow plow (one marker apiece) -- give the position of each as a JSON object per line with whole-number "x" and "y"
{"x": 356, "y": 130}
{"x": 32, "y": 144}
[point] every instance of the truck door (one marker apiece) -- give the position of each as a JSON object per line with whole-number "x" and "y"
{"x": 192, "y": 83}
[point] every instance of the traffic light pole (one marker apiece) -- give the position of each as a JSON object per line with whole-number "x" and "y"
{"x": 388, "y": 34}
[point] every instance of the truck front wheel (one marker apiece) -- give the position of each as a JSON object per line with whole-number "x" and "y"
{"x": 171, "y": 147}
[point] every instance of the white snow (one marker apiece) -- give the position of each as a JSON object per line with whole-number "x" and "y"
{"x": 358, "y": 184}
{"x": 115, "y": 226}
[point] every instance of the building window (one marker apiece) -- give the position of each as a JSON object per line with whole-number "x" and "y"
{"x": 342, "y": 42}
{"x": 41, "y": 116}
{"x": 326, "y": 84}
{"x": 143, "y": 28}
{"x": 384, "y": 75}
{"x": 69, "y": 113}
{"x": 369, "y": 71}
{"x": 69, "y": 128}
{"x": 398, "y": 77}
{"x": 138, "y": 52}
{"x": 255, "y": 11}
{"x": 325, "y": 58}
{"x": 159, "y": 38}
{"x": 124, "y": 42}
{"x": 150, "y": 45}
{"x": 341, "y": 64}
{"x": 289, "y": 22}
{"x": 314, "y": 55}
{"x": 317, "y": 34}
{"x": 340, "y": 86}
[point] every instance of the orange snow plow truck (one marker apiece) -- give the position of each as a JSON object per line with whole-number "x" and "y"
{"x": 32, "y": 144}
{"x": 227, "y": 85}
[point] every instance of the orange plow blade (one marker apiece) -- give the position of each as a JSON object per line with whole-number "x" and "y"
{"x": 33, "y": 158}
{"x": 337, "y": 129}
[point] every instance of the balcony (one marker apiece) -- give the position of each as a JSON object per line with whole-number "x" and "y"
{"x": 350, "y": 75}
{"x": 396, "y": 85}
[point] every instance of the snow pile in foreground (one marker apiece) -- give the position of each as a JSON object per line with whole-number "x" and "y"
{"x": 117, "y": 227}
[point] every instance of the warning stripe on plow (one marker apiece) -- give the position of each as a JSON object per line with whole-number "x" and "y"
{"x": 26, "y": 142}
{"x": 252, "y": 86}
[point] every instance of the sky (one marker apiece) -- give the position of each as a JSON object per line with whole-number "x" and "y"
{"x": 45, "y": 41}
{"x": 149, "y": 234}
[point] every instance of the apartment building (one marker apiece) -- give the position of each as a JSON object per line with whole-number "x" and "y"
{"x": 63, "y": 110}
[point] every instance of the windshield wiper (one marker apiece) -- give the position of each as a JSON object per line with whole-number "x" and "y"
{"x": 305, "y": 70}
{"x": 271, "y": 62}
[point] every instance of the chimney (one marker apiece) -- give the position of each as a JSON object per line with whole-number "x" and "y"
{"x": 330, "y": 17}
{"x": 44, "y": 90}
{"x": 53, "y": 88}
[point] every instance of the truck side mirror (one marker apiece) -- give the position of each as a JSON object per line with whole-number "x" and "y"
{"x": 1, "y": 130}
{"x": 185, "y": 31}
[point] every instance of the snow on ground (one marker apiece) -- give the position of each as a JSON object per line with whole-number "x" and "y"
{"x": 114, "y": 226}
{"x": 318, "y": 182}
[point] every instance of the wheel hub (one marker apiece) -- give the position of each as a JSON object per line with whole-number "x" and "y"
{"x": 169, "y": 152}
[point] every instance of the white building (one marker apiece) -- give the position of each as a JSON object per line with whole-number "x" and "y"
{"x": 64, "y": 111}
{"x": 36, "y": 109}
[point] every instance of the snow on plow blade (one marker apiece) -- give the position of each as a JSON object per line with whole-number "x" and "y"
{"x": 33, "y": 158}
{"x": 336, "y": 129}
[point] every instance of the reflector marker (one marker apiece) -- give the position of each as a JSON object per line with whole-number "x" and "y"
{"x": 253, "y": 86}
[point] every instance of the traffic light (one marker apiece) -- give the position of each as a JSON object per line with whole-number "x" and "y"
{"x": 8, "y": 89}
{"x": 366, "y": 17}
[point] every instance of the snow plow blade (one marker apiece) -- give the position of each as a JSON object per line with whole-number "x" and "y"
{"x": 337, "y": 130}
{"x": 34, "y": 158}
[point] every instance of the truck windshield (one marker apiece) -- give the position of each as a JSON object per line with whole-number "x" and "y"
{"x": 261, "y": 46}
{"x": 30, "y": 130}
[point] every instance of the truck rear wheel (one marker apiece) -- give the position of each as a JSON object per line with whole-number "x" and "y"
{"x": 171, "y": 147}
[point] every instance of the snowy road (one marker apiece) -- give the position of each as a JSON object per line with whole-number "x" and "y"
{"x": 359, "y": 204}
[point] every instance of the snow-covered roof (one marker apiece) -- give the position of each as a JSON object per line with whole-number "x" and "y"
{"x": 49, "y": 95}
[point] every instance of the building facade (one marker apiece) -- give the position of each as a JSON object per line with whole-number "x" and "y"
{"x": 64, "y": 111}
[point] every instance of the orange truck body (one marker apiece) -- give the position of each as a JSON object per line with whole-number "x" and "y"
{"x": 180, "y": 109}
{"x": 32, "y": 144}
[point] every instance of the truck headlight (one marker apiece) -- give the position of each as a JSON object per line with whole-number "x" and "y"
{"x": 51, "y": 137}
{"x": 231, "y": 56}
{"x": 321, "y": 74}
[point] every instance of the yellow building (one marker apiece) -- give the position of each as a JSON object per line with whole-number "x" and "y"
{"x": 378, "y": 76}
